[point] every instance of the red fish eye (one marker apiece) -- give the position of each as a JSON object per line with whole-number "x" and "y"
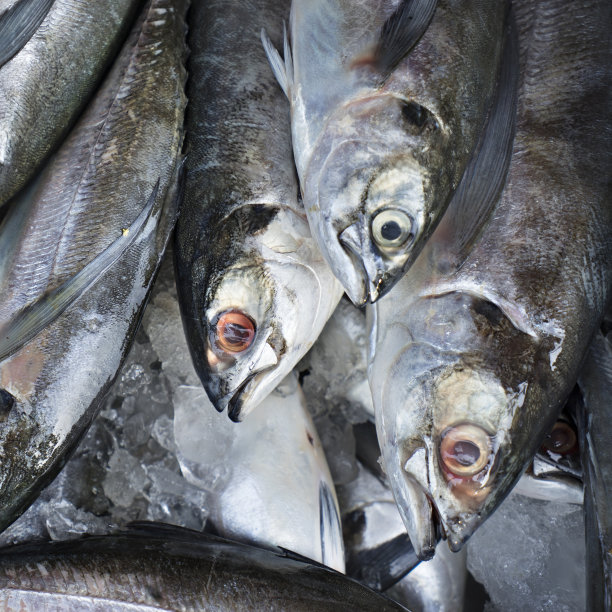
{"x": 235, "y": 331}
{"x": 465, "y": 449}
{"x": 562, "y": 439}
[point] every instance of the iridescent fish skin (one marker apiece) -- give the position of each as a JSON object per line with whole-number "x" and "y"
{"x": 121, "y": 158}
{"x": 380, "y": 152}
{"x": 46, "y": 84}
{"x": 155, "y": 566}
{"x": 247, "y": 264}
{"x": 472, "y": 370}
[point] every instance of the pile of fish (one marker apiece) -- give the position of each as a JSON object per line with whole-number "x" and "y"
{"x": 446, "y": 164}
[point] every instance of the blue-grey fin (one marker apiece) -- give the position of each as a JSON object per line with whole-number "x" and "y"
{"x": 330, "y": 526}
{"x": 381, "y": 567}
{"x": 31, "y": 320}
{"x": 282, "y": 69}
{"x": 485, "y": 176}
{"x": 401, "y": 32}
{"x": 18, "y": 23}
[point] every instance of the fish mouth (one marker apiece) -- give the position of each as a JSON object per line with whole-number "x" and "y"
{"x": 245, "y": 398}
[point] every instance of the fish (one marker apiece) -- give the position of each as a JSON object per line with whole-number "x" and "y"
{"x": 19, "y": 19}
{"x": 45, "y": 85}
{"x": 254, "y": 290}
{"x": 388, "y": 100}
{"x": 474, "y": 355}
{"x": 595, "y": 437}
{"x": 80, "y": 252}
{"x": 156, "y": 566}
{"x": 270, "y": 478}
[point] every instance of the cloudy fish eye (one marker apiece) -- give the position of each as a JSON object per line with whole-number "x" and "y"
{"x": 234, "y": 331}
{"x": 465, "y": 449}
{"x": 392, "y": 228}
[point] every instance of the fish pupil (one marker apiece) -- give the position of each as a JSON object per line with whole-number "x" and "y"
{"x": 236, "y": 334}
{"x": 414, "y": 113}
{"x": 390, "y": 230}
{"x": 466, "y": 453}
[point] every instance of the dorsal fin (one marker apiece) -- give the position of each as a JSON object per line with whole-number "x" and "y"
{"x": 401, "y": 32}
{"x": 18, "y": 23}
{"x": 31, "y": 320}
{"x": 485, "y": 175}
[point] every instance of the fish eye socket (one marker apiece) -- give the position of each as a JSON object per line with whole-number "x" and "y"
{"x": 234, "y": 331}
{"x": 392, "y": 228}
{"x": 562, "y": 439}
{"x": 465, "y": 450}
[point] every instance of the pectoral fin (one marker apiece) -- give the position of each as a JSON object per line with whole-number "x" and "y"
{"x": 35, "y": 317}
{"x": 401, "y": 32}
{"x": 282, "y": 69}
{"x": 18, "y": 23}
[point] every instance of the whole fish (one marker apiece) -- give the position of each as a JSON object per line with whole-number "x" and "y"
{"x": 595, "y": 428}
{"x": 156, "y": 566}
{"x": 255, "y": 292}
{"x": 80, "y": 252}
{"x": 471, "y": 371}
{"x": 269, "y": 475}
{"x": 381, "y": 142}
{"x": 45, "y": 85}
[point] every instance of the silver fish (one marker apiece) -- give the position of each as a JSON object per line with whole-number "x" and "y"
{"x": 255, "y": 291}
{"x": 269, "y": 475}
{"x": 80, "y": 252}
{"x": 471, "y": 371}
{"x": 380, "y": 144}
{"x": 45, "y": 85}
{"x": 154, "y": 566}
{"x": 595, "y": 430}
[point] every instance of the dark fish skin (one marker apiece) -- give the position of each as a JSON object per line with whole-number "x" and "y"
{"x": 174, "y": 569}
{"x": 125, "y": 148}
{"x": 595, "y": 428}
{"x": 46, "y": 84}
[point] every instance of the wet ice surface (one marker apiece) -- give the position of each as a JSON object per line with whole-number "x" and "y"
{"x": 530, "y": 555}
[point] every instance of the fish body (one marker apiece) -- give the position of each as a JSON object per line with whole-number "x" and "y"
{"x": 473, "y": 368}
{"x": 45, "y": 85}
{"x": 161, "y": 567}
{"x": 379, "y": 152}
{"x": 271, "y": 483}
{"x": 595, "y": 429}
{"x": 254, "y": 290}
{"x": 112, "y": 183}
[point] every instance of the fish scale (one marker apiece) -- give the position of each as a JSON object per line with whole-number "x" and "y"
{"x": 43, "y": 87}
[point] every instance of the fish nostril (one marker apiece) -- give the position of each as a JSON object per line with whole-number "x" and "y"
{"x": 7, "y": 401}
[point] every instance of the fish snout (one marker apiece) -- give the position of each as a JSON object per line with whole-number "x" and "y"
{"x": 231, "y": 388}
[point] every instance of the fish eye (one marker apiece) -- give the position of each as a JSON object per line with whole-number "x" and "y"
{"x": 391, "y": 228}
{"x": 465, "y": 449}
{"x": 7, "y": 401}
{"x": 234, "y": 331}
{"x": 562, "y": 439}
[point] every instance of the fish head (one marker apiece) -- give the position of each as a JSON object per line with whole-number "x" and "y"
{"x": 262, "y": 312}
{"x": 462, "y": 409}
{"x": 374, "y": 191}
